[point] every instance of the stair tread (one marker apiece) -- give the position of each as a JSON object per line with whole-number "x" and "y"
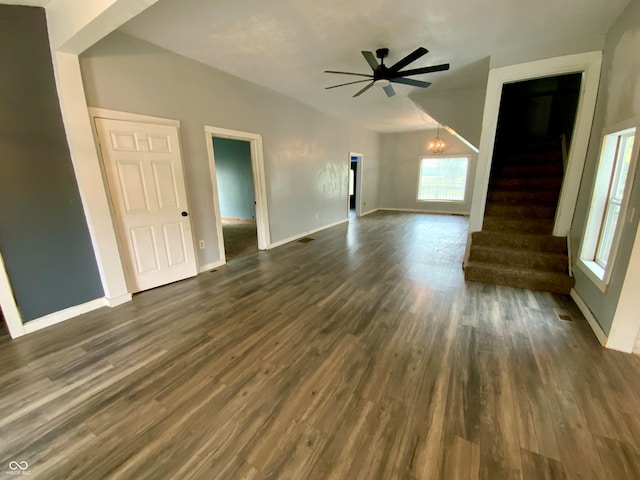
{"x": 519, "y": 277}
{"x": 518, "y": 270}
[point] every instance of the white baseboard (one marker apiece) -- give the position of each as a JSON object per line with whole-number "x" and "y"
{"x": 248, "y": 221}
{"x": 210, "y": 266}
{"x": 369, "y": 212}
{"x": 304, "y": 234}
{"x": 593, "y": 323}
{"x": 62, "y": 315}
{"x": 119, "y": 300}
{"x": 431, "y": 212}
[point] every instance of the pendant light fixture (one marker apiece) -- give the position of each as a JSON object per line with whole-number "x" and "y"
{"x": 437, "y": 145}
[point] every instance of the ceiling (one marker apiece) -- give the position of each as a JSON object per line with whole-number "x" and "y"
{"x": 285, "y": 45}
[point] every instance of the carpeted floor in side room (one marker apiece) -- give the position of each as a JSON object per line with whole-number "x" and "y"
{"x": 239, "y": 239}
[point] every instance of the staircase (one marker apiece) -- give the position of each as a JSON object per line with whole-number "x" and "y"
{"x": 516, "y": 247}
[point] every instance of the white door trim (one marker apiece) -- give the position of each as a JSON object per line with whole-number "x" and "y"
{"x": 588, "y": 63}
{"x": 129, "y": 117}
{"x": 259, "y": 183}
{"x": 358, "y": 189}
{"x": 10, "y": 311}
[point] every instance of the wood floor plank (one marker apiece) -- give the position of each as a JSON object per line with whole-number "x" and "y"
{"x": 362, "y": 354}
{"x": 620, "y": 459}
{"x": 539, "y": 467}
{"x": 578, "y": 449}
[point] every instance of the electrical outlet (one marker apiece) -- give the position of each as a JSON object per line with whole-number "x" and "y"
{"x": 201, "y": 244}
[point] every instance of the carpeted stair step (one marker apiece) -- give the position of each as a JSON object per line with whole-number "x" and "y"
{"x": 532, "y": 157}
{"x": 519, "y": 278}
{"x": 536, "y": 243}
{"x": 525, "y": 182}
{"x": 516, "y": 195}
{"x": 529, "y": 169}
{"x": 521, "y": 210}
{"x": 540, "y": 226}
{"x": 542, "y": 144}
{"x": 554, "y": 262}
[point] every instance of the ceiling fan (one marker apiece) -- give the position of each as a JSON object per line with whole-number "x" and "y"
{"x": 383, "y": 76}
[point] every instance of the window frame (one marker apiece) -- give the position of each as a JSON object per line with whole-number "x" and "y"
{"x": 466, "y": 182}
{"x": 604, "y": 180}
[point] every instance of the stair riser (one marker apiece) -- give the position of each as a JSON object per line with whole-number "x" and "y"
{"x": 523, "y": 259}
{"x": 522, "y": 170}
{"x": 540, "y": 243}
{"x": 520, "y": 211}
{"x": 554, "y": 285}
{"x": 521, "y": 196}
{"x": 526, "y": 182}
{"x": 544, "y": 156}
{"x": 509, "y": 225}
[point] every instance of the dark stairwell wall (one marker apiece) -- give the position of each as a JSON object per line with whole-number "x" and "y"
{"x": 44, "y": 238}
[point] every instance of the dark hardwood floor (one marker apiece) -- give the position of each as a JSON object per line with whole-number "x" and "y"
{"x": 360, "y": 355}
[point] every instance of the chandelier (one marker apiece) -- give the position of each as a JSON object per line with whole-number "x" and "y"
{"x": 437, "y": 145}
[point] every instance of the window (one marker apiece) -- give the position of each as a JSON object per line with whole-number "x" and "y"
{"x": 608, "y": 204}
{"x": 442, "y": 179}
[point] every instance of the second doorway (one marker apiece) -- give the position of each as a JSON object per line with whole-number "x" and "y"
{"x": 236, "y": 192}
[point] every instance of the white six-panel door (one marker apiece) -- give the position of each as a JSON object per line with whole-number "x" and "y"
{"x": 146, "y": 181}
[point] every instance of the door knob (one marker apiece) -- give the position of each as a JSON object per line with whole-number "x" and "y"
{"x": 184, "y": 214}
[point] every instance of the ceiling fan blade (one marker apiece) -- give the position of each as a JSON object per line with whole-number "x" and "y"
{"x": 364, "y": 90}
{"x": 412, "y": 57}
{"x": 389, "y": 91}
{"x": 410, "y": 81}
{"x": 343, "y": 84}
{"x": 371, "y": 59}
{"x": 349, "y": 73}
{"x": 418, "y": 71}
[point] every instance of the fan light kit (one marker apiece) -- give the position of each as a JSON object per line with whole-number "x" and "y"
{"x": 384, "y": 76}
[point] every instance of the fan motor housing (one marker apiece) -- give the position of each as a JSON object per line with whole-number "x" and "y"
{"x": 382, "y": 53}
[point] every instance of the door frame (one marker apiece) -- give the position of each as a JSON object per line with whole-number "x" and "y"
{"x": 589, "y": 64}
{"x": 10, "y": 311}
{"x": 358, "y": 179}
{"x": 259, "y": 183}
{"x": 104, "y": 113}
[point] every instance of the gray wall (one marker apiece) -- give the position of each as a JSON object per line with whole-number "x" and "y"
{"x": 306, "y": 152}
{"x": 399, "y": 165}
{"x": 235, "y": 178}
{"x": 618, "y": 100}
{"x": 43, "y": 233}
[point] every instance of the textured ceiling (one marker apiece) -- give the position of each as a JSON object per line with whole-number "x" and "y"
{"x": 286, "y": 45}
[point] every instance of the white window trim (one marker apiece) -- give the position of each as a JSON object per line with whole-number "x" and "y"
{"x": 601, "y": 277}
{"x": 466, "y": 183}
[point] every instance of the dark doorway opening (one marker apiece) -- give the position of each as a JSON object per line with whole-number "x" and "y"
{"x": 236, "y": 194}
{"x": 353, "y": 184}
{"x": 537, "y": 112}
{"x": 534, "y": 133}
